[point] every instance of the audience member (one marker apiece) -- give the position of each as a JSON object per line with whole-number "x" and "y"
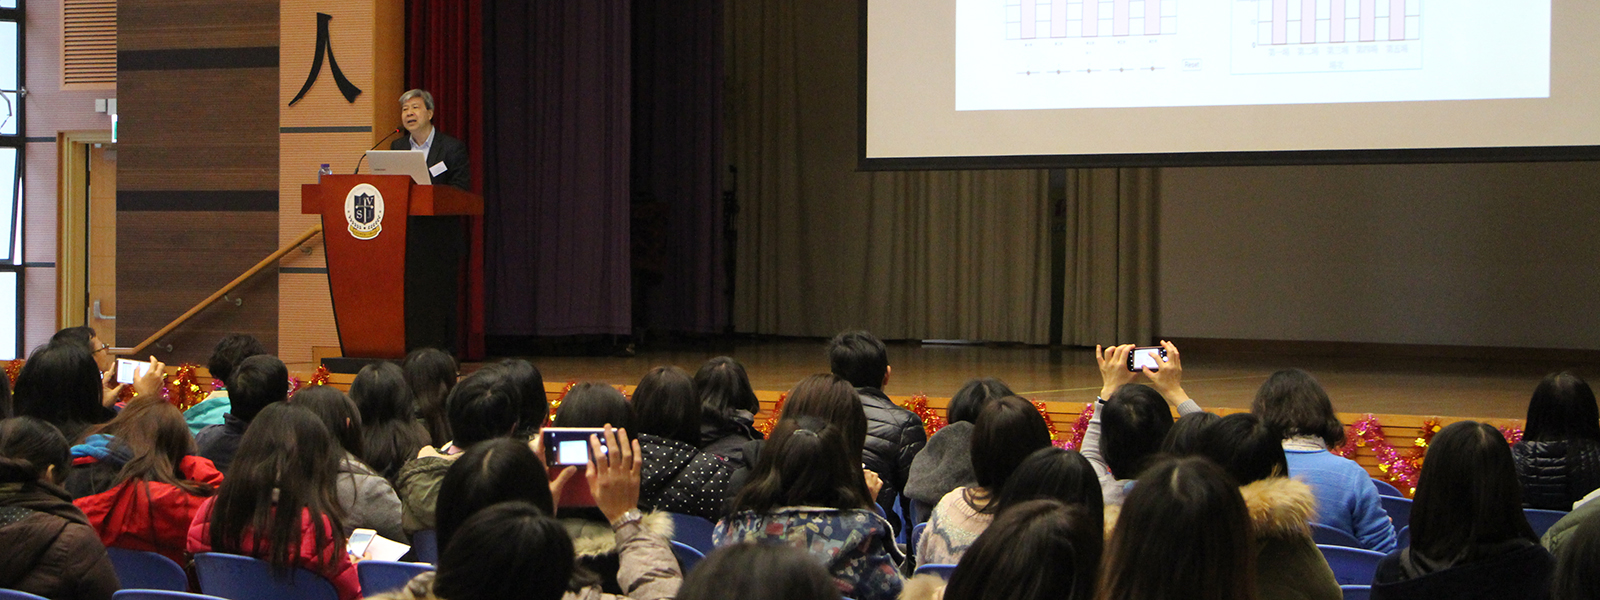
{"x": 367, "y": 499}
{"x": 894, "y": 434}
{"x": 1036, "y": 550}
{"x": 1131, "y": 420}
{"x": 758, "y": 572}
{"x": 495, "y": 471}
{"x": 728, "y": 408}
{"x": 677, "y": 477}
{"x": 827, "y": 397}
{"x": 1469, "y": 538}
{"x": 1184, "y": 532}
{"x": 1288, "y": 564}
{"x": 389, "y": 430}
{"x": 278, "y": 502}
{"x": 1558, "y": 458}
{"x": 231, "y": 350}
{"x": 138, "y": 480}
{"x": 61, "y": 384}
{"x": 257, "y": 382}
{"x": 594, "y": 404}
{"x": 50, "y": 549}
{"x": 483, "y": 406}
{"x": 87, "y": 338}
{"x": 533, "y": 402}
{"x": 807, "y": 491}
{"x": 1007, "y": 431}
{"x": 1293, "y": 403}
{"x": 430, "y": 373}
{"x": 946, "y": 462}
{"x": 1578, "y": 566}
{"x": 1052, "y": 473}
{"x": 1185, "y": 433}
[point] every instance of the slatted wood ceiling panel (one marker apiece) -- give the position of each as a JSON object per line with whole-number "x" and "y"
{"x": 89, "y": 44}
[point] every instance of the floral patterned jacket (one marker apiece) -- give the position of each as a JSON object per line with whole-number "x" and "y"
{"x": 857, "y": 545}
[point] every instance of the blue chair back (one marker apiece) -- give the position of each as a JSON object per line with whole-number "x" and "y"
{"x": 237, "y": 577}
{"x": 1399, "y": 510}
{"x": 940, "y": 570}
{"x": 687, "y": 555}
{"x": 16, "y": 595}
{"x": 1324, "y": 534}
{"x": 1541, "y": 520}
{"x": 1384, "y": 489}
{"x": 159, "y": 595}
{"x": 1351, "y": 566}
{"x": 1402, "y": 538}
{"x": 693, "y": 531}
{"x": 425, "y": 546}
{"x": 916, "y": 535}
{"x": 139, "y": 570}
{"x": 1356, "y": 592}
{"x": 379, "y": 576}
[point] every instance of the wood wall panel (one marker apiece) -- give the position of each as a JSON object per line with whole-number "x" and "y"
{"x": 203, "y": 138}
{"x": 368, "y": 39}
{"x": 169, "y": 24}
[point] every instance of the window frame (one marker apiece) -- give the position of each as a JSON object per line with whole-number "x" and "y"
{"x": 17, "y": 264}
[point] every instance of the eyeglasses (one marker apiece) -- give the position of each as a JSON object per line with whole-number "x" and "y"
{"x": 103, "y": 347}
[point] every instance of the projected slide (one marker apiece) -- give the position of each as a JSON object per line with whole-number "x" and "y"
{"x": 1060, "y": 54}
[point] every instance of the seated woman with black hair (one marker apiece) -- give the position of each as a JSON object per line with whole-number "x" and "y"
{"x": 808, "y": 491}
{"x": 1558, "y": 458}
{"x": 514, "y": 549}
{"x": 1007, "y": 431}
{"x": 678, "y": 477}
{"x": 1131, "y": 420}
{"x": 62, "y": 384}
{"x": 728, "y": 407}
{"x": 1035, "y": 550}
{"x": 1184, "y": 532}
{"x": 758, "y": 572}
{"x": 1293, "y": 403}
{"x": 430, "y": 373}
{"x": 1469, "y": 537}
{"x": 390, "y": 433}
{"x": 1287, "y": 563}
{"x": 278, "y": 502}
{"x": 368, "y": 499}
{"x": 945, "y": 463}
{"x": 483, "y": 406}
{"x": 50, "y": 549}
{"x": 139, "y": 481}
{"x": 1052, "y": 473}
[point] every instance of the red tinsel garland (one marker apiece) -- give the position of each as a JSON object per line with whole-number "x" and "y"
{"x": 767, "y": 425}
{"x": 320, "y": 376}
{"x": 1055, "y": 436}
{"x": 13, "y": 368}
{"x": 1079, "y": 427}
{"x": 555, "y": 404}
{"x": 931, "y": 421}
{"x": 183, "y": 388}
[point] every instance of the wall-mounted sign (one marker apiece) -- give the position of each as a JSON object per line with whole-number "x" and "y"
{"x": 325, "y": 46}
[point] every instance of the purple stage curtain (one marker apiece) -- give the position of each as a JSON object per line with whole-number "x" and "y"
{"x": 557, "y": 132}
{"x": 679, "y": 263}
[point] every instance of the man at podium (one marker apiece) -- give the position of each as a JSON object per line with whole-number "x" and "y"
{"x": 447, "y": 156}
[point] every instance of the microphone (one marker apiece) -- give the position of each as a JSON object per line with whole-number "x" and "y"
{"x": 375, "y": 147}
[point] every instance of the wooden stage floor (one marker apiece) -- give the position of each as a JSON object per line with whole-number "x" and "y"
{"x": 1438, "y": 387}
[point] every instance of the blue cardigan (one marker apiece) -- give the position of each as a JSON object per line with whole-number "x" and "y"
{"x": 1346, "y": 498}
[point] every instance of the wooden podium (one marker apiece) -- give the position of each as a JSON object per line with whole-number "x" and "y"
{"x": 394, "y": 251}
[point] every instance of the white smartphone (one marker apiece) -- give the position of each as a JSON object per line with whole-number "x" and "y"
{"x": 1149, "y": 356}
{"x": 129, "y": 371}
{"x": 359, "y": 540}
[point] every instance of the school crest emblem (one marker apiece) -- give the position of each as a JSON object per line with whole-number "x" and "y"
{"x": 363, "y": 211}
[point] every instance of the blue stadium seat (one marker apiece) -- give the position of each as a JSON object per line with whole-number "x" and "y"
{"x": 1356, "y": 592}
{"x": 693, "y": 531}
{"x": 1541, "y": 520}
{"x": 940, "y": 570}
{"x": 1399, "y": 510}
{"x": 1324, "y": 534}
{"x": 139, "y": 570}
{"x": 237, "y": 577}
{"x": 16, "y": 595}
{"x": 159, "y": 595}
{"x": 1384, "y": 489}
{"x": 1351, "y": 566}
{"x": 687, "y": 555}
{"x": 425, "y": 546}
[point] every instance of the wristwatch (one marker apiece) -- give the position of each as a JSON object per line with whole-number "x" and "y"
{"x": 632, "y": 516}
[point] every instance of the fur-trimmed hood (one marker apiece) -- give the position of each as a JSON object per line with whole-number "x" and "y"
{"x": 595, "y": 538}
{"x": 1279, "y": 507}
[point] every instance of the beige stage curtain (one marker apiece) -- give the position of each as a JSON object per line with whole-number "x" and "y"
{"x": 1110, "y": 265}
{"x": 907, "y": 255}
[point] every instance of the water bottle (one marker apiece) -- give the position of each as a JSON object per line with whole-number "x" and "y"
{"x": 325, "y": 170}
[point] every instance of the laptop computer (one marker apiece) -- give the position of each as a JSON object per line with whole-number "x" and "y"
{"x": 401, "y": 162}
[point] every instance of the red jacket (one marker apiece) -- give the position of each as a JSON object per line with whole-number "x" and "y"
{"x": 150, "y": 516}
{"x": 332, "y": 563}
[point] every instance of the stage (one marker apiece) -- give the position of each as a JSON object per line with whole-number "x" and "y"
{"x": 1452, "y": 387}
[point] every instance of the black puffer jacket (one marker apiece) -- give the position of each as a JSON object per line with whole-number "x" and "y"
{"x": 894, "y": 437}
{"x": 678, "y": 478}
{"x": 1555, "y": 474}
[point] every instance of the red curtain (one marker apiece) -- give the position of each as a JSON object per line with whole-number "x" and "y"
{"x": 444, "y": 55}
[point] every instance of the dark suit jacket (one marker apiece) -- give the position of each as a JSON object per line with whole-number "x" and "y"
{"x": 447, "y": 149}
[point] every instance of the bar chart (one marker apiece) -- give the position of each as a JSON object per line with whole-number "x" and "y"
{"x": 1312, "y": 36}
{"x": 1044, "y": 19}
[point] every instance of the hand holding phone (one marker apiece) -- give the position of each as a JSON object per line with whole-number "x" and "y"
{"x": 129, "y": 371}
{"x": 569, "y": 446}
{"x": 1151, "y": 357}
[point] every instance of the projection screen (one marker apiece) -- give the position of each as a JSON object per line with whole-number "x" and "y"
{"x": 1023, "y": 83}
